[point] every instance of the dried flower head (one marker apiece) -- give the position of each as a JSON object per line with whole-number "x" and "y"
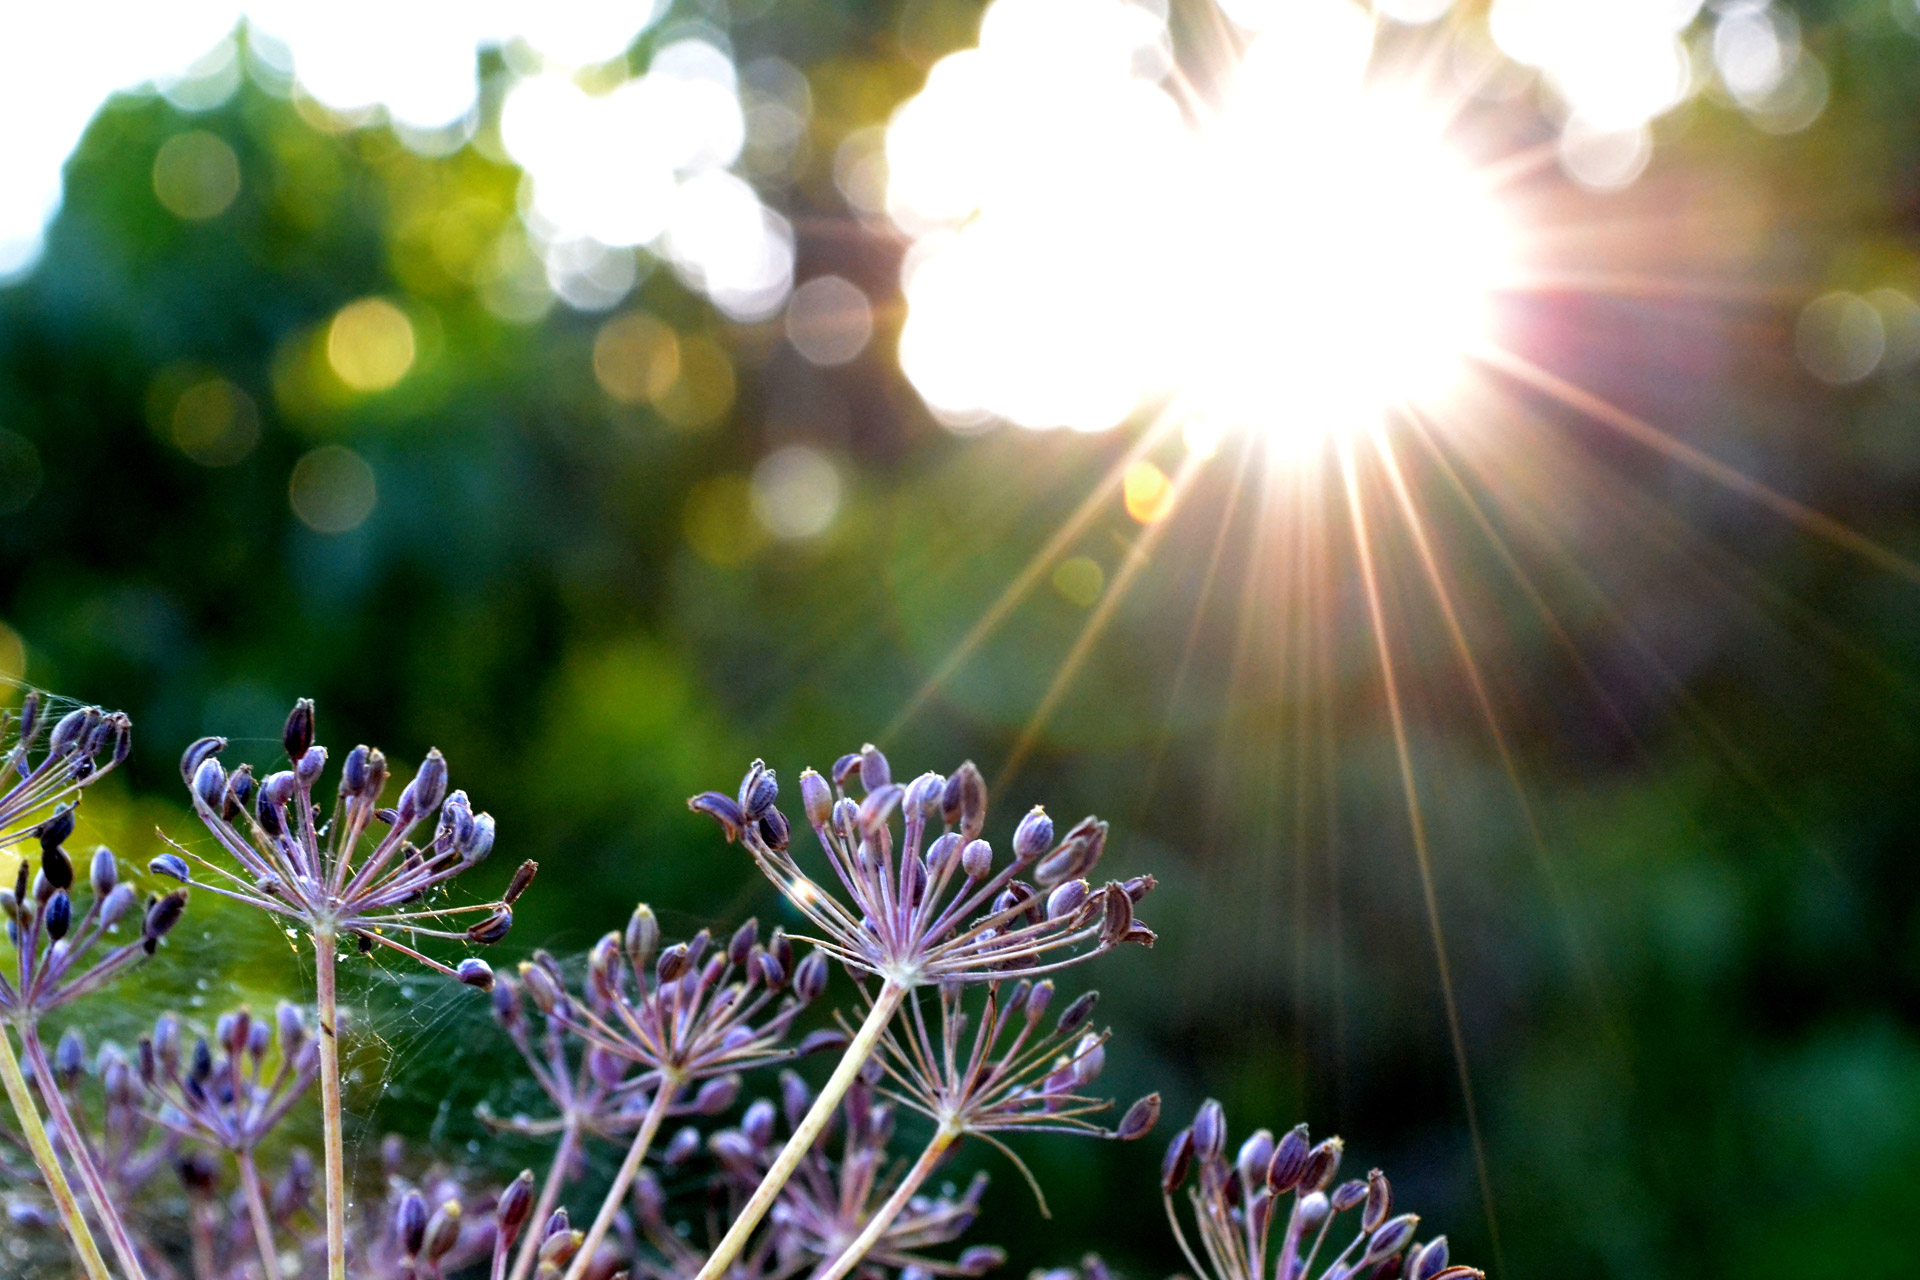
{"x": 233, "y": 1091}
{"x": 294, "y": 865}
{"x": 1233, "y": 1203}
{"x": 1010, "y": 1070}
{"x": 933, "y": 912}
{"x": 688, "y": 1012}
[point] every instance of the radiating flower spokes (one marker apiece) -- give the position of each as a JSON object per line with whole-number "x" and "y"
{"x": 233, "y": 1091}
{"x": 297, "y": 866}
{"x": 1234, "y": 1209}
{"x": 85, "y": 745}
{"x": 941, "y": 912}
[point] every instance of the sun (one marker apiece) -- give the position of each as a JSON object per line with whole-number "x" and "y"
{"x": 1294, "y": 250}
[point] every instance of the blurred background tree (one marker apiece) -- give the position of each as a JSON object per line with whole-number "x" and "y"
{"x": 443, "y": 416}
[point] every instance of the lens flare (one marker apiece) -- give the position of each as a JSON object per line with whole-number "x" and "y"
{"x": 1318, "y": 254}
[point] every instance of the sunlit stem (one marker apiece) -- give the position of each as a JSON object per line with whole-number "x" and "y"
{"x": 563, "y": 1157}
{"x": 56, "y": 1179}
{"x": 104, "y": 1211}
{"x": 629, "y": 1169}
{"x": 326, "y": 1001}
{"x": 891, "y": 993}
{"x": 257, "y": 1210}
{"x": 862, "y": 1244}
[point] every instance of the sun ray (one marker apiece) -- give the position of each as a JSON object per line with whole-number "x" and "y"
{"x": 1416, "y": 821}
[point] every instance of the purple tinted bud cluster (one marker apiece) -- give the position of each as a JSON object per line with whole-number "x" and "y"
{"x": 294, "y": 864}
{"x": 930, "y": 906}
{"x": 234, "y": 1090}
{"x": 1234, "y": 1201}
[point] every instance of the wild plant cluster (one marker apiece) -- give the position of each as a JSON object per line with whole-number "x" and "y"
{"x": 180, "y": 1156}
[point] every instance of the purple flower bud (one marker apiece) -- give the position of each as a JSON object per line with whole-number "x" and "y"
{"x": 429, "y": 786}
{"x": 292, "y": 1028}
{"x": 1429, "y": 1260}
{"x": 119, "y": 901}
{"x": 278, "y": 789}
{"x": 810, "y": 979}
{"x": 824, "y": 1040}
{"x": 723, "y": 810}
{"x": 1322, "y": 1163}
{"x": 55, "y": 829}
{"x": 308, "y": 770}
{"x": 674, "y": 961}
{"x": 1289, "y": 1160}
{"x": 1033, "y": 835}
{"x": 298, "y": 736}
{"x": 757, "y": 1123}
{"x": 763, "y": 968}
{"x": 976, "y": 859}
{"x": 1379, "y": 1201}
{"x": 59, "y": 915}
{"x": 758, "y": 791}
{"x": 195, "y": 756}
{"x": 816, "y": 798}
{"x": 716, "y": 1095}
{"x": 1311, "y": 1210}
{"x": 166, "y": 1041}
{"x": 541, "y": 987}
{"x": 741, "y": 944}
{"x": 1078, "y": 853}
{"x": 875, "y": 773}
{"x": 1038, "y": 999}
{"x": 1139, "y": 1120}
{"x": 681, "y": 1146}
{"x": 475, "y": 973}
{"x": 1460, "y": 1273}
{"x": 1077, "y": 1015}
{"x": 172, "y": 866}
{"x": 1067, "y": 899}
{"x": 558, "y": 1248}
{"x": 443, "y": 1231}
{"x": 410, "y": 1223}
{"x": 161, "y": 917}
{"x": 104, "y": 874}
{"x": 642, "y": 937}
{"x": 522, "y": 875}
{"x": 210, "y": 782}
{"x": 510, "y": 1212}
{"x": 1178, "y": 1160}
{"x": 774, "y": 830}
{"x": 355, "y": 772}
{"x": 1392, "y": 1236}
{"x": 964, "y": 803}
{"x": 795, "y": 1097}
{"x": 69, "y": 1058}
{"x": 1256, "y": 1153}
{"x": 980, "y": 1259}
{"x": 493, "y": 928}
{"x": 1347, "y": 1195}
{"x": 71, "y": 728}
{"x": 877, "y": 808}
{"x": 1210, "y": 1131}
{"x": 924, "y": 794}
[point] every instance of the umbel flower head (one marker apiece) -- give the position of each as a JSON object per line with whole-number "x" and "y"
{"x": 85, "y": 745}
{"x": 1009, "y": 1071}
{"x": 295, "y": 865}
{"x": 1235, "y": 1205}
{"x": 920, "y": 912}
{"x": 688, "y": 1012}
{"x": 234, "y": 1091}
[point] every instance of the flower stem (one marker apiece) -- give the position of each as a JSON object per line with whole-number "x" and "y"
{"x": 806, "y": 1132}
{"x": 851, "y": 1256}
{"x": 105, "y": 1211}
{"x": 36, "y": 1133}
{"x": 257, "y": 1209}
{"x": 325, "y": 952}
{"x": 549, "y": 1193}
{"x": 629, "y": 1168}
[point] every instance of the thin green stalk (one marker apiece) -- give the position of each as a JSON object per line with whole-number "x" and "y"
{"x": 549, "y": 1194}
{"x": 105, "y": 1210}
{"x": 325, "y": 953}
{"x": 862, "y": 1244}
{"x": 257, "y": 1210}
{"x": 891, "y": 994}
{"x": 63, "y": 1201}
{"x": 629, "y": 1169}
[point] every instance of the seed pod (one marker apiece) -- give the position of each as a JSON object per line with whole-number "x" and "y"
{"x": 311, "y": 765}
{"x": 1347, "y": 1195}
{"x": 56, "y": 867}
{"x": 1311, "y": 1211}
{"x": 118, "y": 903}
{"x": 69, "y": 1058}
{"x": 541, "y": 987}
{"x": 723, "y": 810}
{"x": 492, "y": 929}
{"x": 1210, "y": 1131}
{"x": 59, "y": 915}
{"x": 1322, "y": 1163}
{"x": 810, "y": 979}
{"x": 1033, "y": 835}
{"x": 964, "y": 803}
{"x": 757, "y": 1123}
{"x": 1118, "y": 918}
{"x": 1460, "y": 1273}
{"x": 1256, "y": 1153}
{"x": 758, "y": 791}
{"x": 475, "y": 973}
{"x": 410, "y": 1223}
{"x": 980, "y": 1259}
{"x": 172, "y": 866}
{"x": 795, "y": 1097}
{"x": 522, "y": 877}
{"x": 1078, "y": 853}
{"x": 716, "y": 1095}
{"x": 298, "y": 735}
{"x": 1391, "y": 1238}
{"x": 875, "y": 772}
{"x": 976, "y": 859}
{"x": 71, "y": 729}
{"x": 1077, "y": 1014}
{"x": 1178, "y": 1160}
{"x": 513, "y": 1207}
{"x": 1429, "y": 1260}
{"x": 741, "y": 944}
{"x": 443, "y": 1231}
{"x": 674, "y": 961}
{"x": 424, "y": 794}
{"x": 1038, "y": 999}
{"x": 824, "y": 1040}
{"x": 1379, "y": 1201}
{"x": 162, "y": 915}
{"x": 1289, "y": 1161}
{"x": 1139, "y": 1120}
{"x": 1067, "y": 899}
